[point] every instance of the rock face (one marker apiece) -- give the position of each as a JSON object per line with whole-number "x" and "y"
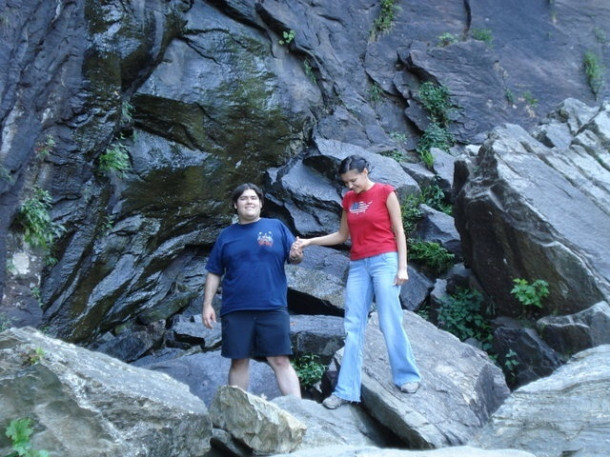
{"x": 85, "y": 403}
{"x": 564, "y": 414}
{"x": 204, "y": 95}
{"x": 532, "y": 211}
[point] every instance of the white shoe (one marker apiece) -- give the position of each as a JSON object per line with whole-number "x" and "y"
{"x": 410, "y": 387}
{"x": 333, "y": 402}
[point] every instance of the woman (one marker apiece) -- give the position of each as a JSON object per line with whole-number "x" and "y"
{"x": 378, "y": 267}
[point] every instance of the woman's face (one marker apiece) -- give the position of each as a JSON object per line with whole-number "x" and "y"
{"x": 248, "y": 207}
{"x": 355, "y": 180}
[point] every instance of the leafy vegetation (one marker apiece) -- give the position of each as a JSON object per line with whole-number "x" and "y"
{"x": 431, "y": 195}
{"x": 436, "y": 100}
{"x": 385, "y": 20}
{"x": 115, "y": 159}
{"x": 463, "y": 314}
{"x": 44, "y": 148}
{"x": 20, "y": 431}
{"x": 529, "y": 98}
{"x": 432, "y": 255}
{"x": 594, "y": 70}
{"x": 287, "y": 37}
{"x": 483, "y": 35}
{"x": 447, "y": 39}
{"x": 375, "y": 92}
{"x": 308, "y": 369}
{"x": 39, "y": 228}
{"x": 435, "y": 136}
{"x": 530, "y": 294}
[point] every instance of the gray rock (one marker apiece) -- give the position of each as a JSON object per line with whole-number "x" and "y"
{"x": 519, "y": 215}
{"x": 348, "y": 426}
{"x": 204, "y": 373}
{"x": 461, "y": 387}
{"x": 456, "y": 451}
{"x": 521, "y": 351}
{"x": 260, "y": 425}
{"x": 576, "y": 332}
{"x": 563, "y": 414}
{"x": 319, "y": 335}
{"x": 87, "y": 403}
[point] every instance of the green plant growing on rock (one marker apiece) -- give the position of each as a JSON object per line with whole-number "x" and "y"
{"x": 375, "y": 92}
{"x": 434, "y": 197}
{"x": 594, "y": 70}
{"x": 115, "y": 159}
{"x": 431, "y": 254}
{"x": 385, "y": 20}
{"x": 410, "y": 211}
{"x": 309, "y": 72}
{"x": 530, "y": 294}
{"x": 463, "y": 315}
{"x": 287, "y": 37}
{"x": 34, "y": 356}
{"x": 39, "y": 228}
{"x": 44, "y": 148}
{"x": 436, "y": 100}
{"x": 483, "y": 35}
{"x": 529, "y": 98}
{"x": 431, "y": 195}
{"x": 308, "y": 369}
{"x": 435, "y": 136}
{"x": 447, "y": 39}
{"x": 20, "y": 431}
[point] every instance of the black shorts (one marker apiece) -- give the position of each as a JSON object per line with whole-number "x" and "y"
{"x": 256, "y": 334}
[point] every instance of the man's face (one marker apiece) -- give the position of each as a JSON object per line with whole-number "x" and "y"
{"x": 248, "y": 207}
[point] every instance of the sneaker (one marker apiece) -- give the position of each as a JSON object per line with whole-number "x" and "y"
{"x": 409, "y": 387}
{"x": 333, "y": 402}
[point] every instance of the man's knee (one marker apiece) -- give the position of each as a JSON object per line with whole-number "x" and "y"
{"x": 279, "y": 362}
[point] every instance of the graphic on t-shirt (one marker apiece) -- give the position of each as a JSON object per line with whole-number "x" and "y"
{"x": 359, "y": 207}
{"x": 265, "y": 239}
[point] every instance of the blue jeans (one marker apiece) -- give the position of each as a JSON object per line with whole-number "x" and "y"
{"x": 368, "y": 278}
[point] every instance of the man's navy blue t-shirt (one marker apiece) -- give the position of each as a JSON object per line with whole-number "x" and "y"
{"x": 250, "y": 258}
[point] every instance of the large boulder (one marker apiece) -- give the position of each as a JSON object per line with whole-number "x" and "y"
{"x": 256, "y": 423}
{"x": 460, "y": 390}
{"x": 576, "y": 332}
{"x": 564, "y": 414}
{"x": 84, "y": 403}
{"x": 519, "y": 210}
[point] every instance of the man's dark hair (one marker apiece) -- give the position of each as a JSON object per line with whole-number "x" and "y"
{"x": 244, "y": 187}
{"x": 353, "y": 162}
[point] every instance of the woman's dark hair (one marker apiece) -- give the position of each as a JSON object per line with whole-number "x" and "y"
{"x": 353, "y": 162}
{"x": 244, "y": 187}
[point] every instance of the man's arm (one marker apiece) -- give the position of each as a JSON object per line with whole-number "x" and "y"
{"x": 208, "y": 315}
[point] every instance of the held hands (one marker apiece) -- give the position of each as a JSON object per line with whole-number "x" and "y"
{"x": 296, "y": 251}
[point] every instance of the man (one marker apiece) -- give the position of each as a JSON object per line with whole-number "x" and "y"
{"x": 249, "y": 258}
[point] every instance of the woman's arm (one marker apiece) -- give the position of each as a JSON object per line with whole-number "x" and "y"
{"x": 338, "y": 237}
{"x": 393, "y": 206}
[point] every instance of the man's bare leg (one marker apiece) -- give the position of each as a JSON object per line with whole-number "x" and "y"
{"x": 239, "y": 373}
{"x": 287, "y": 378}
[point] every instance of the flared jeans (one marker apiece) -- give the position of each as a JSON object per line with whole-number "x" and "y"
{"x": 369, "y": 278}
